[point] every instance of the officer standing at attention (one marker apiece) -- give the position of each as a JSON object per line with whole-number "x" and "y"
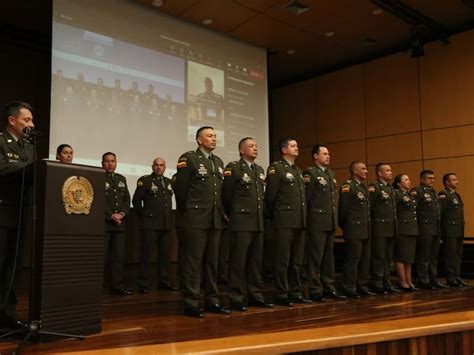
{"x": 427, "y": 246}
{"x": 117, "y": 207}
{"x": 242, "y": 196}
{"x": 286, "y": 206}
{"x": 15, "y": 154}
{"x": 452, "y": 229}
{"x": 384, "y": 228}
{"x": 198, "y": 191}
{"x": 354, "y": 219}
{"x": 320, "y": 186}
{"x": 152, "y": 201}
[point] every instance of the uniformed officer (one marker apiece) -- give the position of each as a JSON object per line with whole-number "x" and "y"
{"x": 286, "y": 206}
{"x": 384, "y": 228}
{"x": 320, "y": 186}
{"x": 405, "y": 242}
{"x": 427, "y": 247}
{"x": 242, "y": 196}
{"x": 117, "y": 207}
{"x": 198, "y": 191}
{"x": 152, "y": 201}
{"x": 354, "y": 219}
{"x": 15, "y": 154}
{"x": 452, "y": 229}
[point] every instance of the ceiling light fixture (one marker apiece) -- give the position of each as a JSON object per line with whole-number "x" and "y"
{"x": 330, "y": 34}
{"x": 291, "y": 51}
{"x": 296, "y": 7}
{"x": 158, "y": 3}
{"x": 377, "y": 11}
{"x": 207, "y": 21}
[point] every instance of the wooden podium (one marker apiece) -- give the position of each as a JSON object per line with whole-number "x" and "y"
{"x": 67, "y": 263}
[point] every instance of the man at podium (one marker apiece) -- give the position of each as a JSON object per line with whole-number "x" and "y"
{"x": 15, "y": 154}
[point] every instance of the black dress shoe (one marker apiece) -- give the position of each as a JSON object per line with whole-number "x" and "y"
{"x": 367, "y": 293}
{"x": 335, "y": 295}
{"x": 238, "y": 307}
{"x": 463, "y": 283}
{"x": 354, "y": 295}
{"x": 453, "y": 284}
{"x": 167, "y": 286}
{"x": 194, "y": 312}
{"x": 375, "y": 290}
{"x": 405, "y": 289}
{"x": 261, "y": 304}
{"x": 284, "y": 302}
{"x": 424, "y": 286}
{"x": 414, "y": 288}
{"x": 143, "y": 289}
{"x": 300, "y": 300}
{"x": 12, "y": 323}
{"x": 317, "y": 298}
{"x": 437, "y": 284}
{"x": 217, "y": 308}
{"x": 121, "y": 291}
{"x": 392, "y": 289}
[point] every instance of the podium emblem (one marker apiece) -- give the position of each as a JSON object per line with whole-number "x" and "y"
{"x": 78, "y": 195}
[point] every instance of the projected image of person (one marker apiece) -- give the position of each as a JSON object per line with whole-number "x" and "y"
{"x": 210, "y": 102}
{"x": 150, "y": 96}
{"x": 64, "y": 153}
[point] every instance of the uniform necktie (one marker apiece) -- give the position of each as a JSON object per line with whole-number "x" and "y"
{"x": 212, "y": 162}
{"x": 162, "y": 181}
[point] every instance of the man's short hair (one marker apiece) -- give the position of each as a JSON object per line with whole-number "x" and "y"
{"x": 198, "y": 132}
{"x": 353, "y": 164}
{"x": 446, "y": 177}
{"x": 424, "y": 173}
{"x": 378, "y": 167}
{"x": 13, "y": 109}
{"x": 317, "y": 148}
{"x": 108, "y": 153}
{"x": 242, "y": 141}
{"x": 283, "y": 143}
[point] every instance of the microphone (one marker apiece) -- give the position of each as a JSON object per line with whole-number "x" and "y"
{"x": 30, "y": 132}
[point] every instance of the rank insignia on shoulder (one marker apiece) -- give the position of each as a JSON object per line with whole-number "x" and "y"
{"x": 182, "y": 164}
{"x": 345, "y": 188}
{"x": 139, "y": 183}
{"x": 228, "y": 172}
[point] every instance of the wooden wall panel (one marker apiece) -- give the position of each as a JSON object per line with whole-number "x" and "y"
{"x": 447, "y": 82}
{"x": 342, "y": 154}
{"x": 294, "y": 114}
{"x": 392, "y": 95}
{"x": 464, "y": 169}
{"x": 448, "y": 142}
{"x": 404, "y": 147}
{"x": 340, "y": 106}
{"x": 304, "y": 157}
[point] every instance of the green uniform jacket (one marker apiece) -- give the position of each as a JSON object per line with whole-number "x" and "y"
{"x": 383, "y": 210}
{"x": 452, "y": 214}
{"x": 321, "y": 189}
{"x": 242, "y": 196}
{"x": 354, "y": 210}
{"x": 285, "y": 196}
{"x": 152, "y": 201}
{"x": 117, "y": 199}
{"x": 198, "y": 191}
{"x": 13, "y": 159}
{"x": 428, "y": 210}
{"x": 406, "y": 211}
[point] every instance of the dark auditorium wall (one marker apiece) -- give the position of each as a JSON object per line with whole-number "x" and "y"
{"x": 411, "y": 113}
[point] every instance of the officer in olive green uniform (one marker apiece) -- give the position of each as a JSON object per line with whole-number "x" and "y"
{"x": 384, "y": 229}
{"x": 15, "y": 154}
{"x": 152, "y": 201}
{"x": 320, "y": 186}
{"x": 427, "y": 247}
{"x": 242, "y": 196}
{"x": 354, "y": 219}
{"x": 285, "y": 201}
{"x": 198, "y": 191}
{"x": 452, "y": 229}
{"x": 117, "y": 207}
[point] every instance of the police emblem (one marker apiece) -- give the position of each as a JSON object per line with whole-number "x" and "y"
{"x": 78, "y": 195}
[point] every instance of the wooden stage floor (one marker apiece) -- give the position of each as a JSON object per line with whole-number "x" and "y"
{"x": 154, "y": 324}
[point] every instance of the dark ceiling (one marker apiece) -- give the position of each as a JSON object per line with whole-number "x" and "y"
{"x": 359, "y": 34}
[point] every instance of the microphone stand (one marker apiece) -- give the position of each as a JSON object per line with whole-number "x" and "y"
{"x": 33, "y": 329}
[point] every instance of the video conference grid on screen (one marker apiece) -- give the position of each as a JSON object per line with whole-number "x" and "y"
{"x": 136, "y": 82}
